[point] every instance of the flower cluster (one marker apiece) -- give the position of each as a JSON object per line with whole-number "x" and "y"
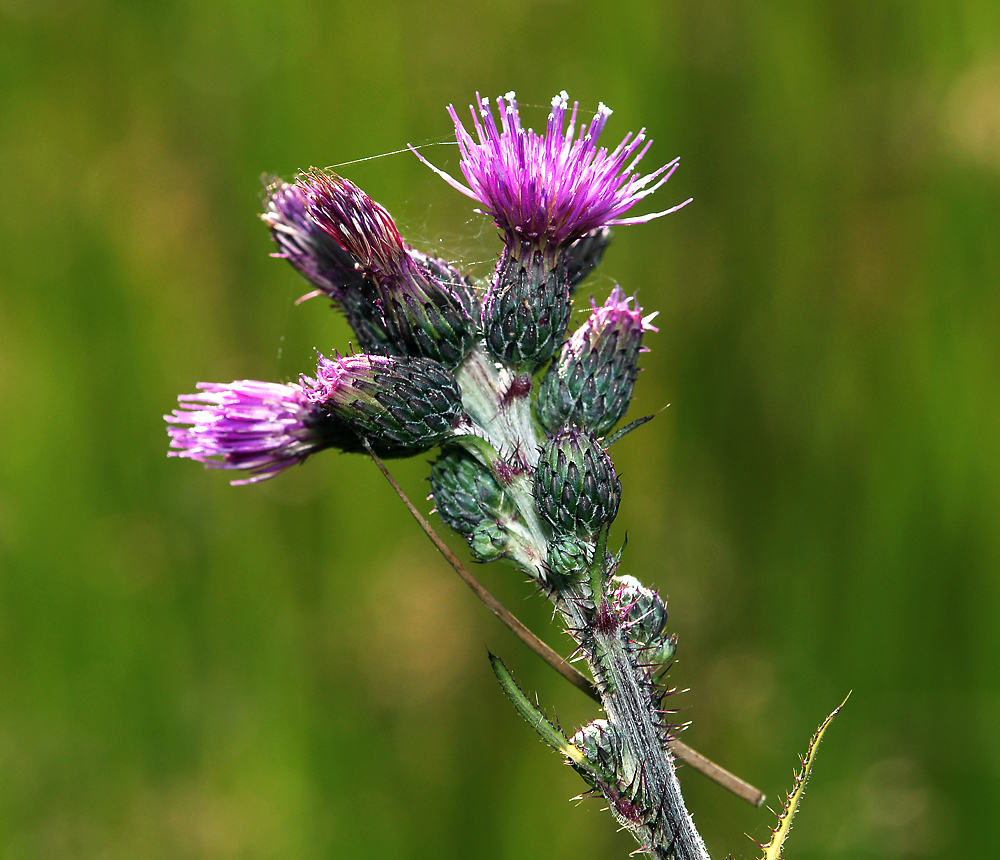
{"x": 452, "y": 362}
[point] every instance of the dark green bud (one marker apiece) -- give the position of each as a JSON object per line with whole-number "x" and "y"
{"x": 401, "y": 405}
{"x": 591, "y": 382}
{"x": 576, "y": 488}
{"x": 466, "y": 493}
{"x": 526, "y": 309}
{"x": 644, "y": 620}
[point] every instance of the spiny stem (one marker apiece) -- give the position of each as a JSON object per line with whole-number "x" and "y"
{"x": 690, "y": 756}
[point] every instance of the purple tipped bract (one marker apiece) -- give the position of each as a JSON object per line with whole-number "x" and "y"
{"x": 333, "y": 386}
{"x": 617, "y": 312}
{"x": 554, "y": 187}
{"x": 356, "y": 222}
{"x": 259, "y": 427}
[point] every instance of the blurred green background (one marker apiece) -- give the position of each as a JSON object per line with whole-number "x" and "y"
{"x": 192, "y": 670}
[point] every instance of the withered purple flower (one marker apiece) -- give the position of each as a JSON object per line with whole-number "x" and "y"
{"x": 398, "y": 300}
{"x": 555, "y": 187}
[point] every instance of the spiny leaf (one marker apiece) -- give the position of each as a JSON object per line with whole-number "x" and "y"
{"x": 628, "y": 428}
{"x": 772, "y": 851}
{"x": 533, "y": 714}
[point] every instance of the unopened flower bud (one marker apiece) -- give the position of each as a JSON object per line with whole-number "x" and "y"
{"x": 489, "y": 541}
{"x": 400, "y": 405}
{"x": 465, "y": 493}
{"x": 576, "y": 488}
{"x": 591, "y": 382}
{"x": 602, "y": 746}
{"x": 644, "y": 620}
{"x": 568, "y": 556}
{"x": 526, "y": 310}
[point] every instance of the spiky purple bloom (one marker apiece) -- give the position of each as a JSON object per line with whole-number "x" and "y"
{"x": 616, "y": 314}
{"x": 591, "y": 381}
{"x": 310, "y": 249}
{"x": 551, "y": 188}
{"x": 258, "y": 427}
{"x": 398, "y": 300}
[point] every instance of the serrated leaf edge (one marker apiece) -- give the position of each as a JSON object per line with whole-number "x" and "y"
{"x": 772, "y": 851}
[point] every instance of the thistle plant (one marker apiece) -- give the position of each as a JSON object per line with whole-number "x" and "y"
{"x": 523, "y": 415}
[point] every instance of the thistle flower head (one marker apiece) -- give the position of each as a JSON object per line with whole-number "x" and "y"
{"x": 590, "y": 383}
{"x": 258, "y": 427}
{"x": 316, "y": 254}
{"x": 576, "y": 488}
{"x": 401, "y": 405}
{"x": 400, "y": 302}
{"x": 359, "y": 225}
{"x": 551, "y": 188}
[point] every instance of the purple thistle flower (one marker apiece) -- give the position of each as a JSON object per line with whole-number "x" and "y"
{"x": 398, "y": 300}
{"x": 259, "y": 427}
{"x": 307, "y": 246}
{"x": 551, "y": 188}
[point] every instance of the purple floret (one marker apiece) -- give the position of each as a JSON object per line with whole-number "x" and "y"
{"x": 554, "y": 187}
{"x": 334, "y": 384}
{"x": 258, "y": 427}
{"x": 306, "y": 245}
{"x": 617, "y": 312}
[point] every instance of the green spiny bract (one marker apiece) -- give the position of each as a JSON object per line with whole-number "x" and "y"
{"x": 576, "y": 489}
{"x": 526, "y": 311}
{"x": 644, "y": 619}
{"x": 403, "y": 405}
{"x": 424, "y": 318}
{"x": 591, "y": 381}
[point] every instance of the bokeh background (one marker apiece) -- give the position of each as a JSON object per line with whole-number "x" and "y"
{"x": 192, "y": 670}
